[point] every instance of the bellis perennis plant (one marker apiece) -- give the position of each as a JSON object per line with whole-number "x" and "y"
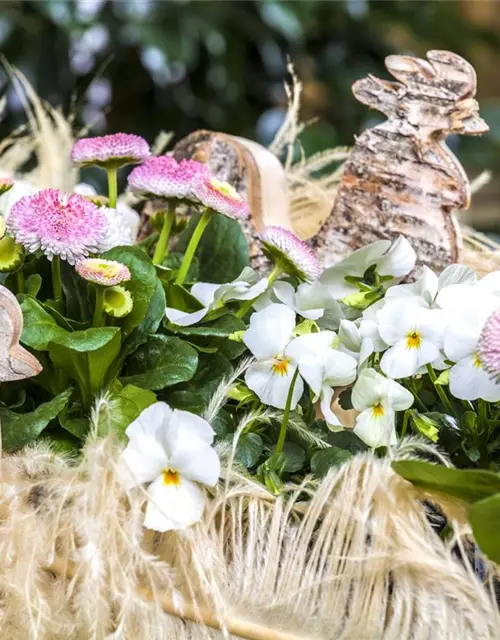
{"x": 161, "y": 334}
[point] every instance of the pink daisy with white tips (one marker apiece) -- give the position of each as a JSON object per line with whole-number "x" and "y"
{"x": 58, "y": 223}
{"x": 107, "y": 273}
{"x": 164, "y": 177}
{"x": 111, "y": 151}
{"x": 221, "y": 197}
{"x": 288, "y": 251}
{"x": 6, "y": 184}
{"x": 489, "y": 345}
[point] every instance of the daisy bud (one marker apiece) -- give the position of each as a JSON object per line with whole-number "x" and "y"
{"x": 106, "y": 273}
{"x": 221, "y": 197}
{"x": 111, "y": 151}
{"x": 287, "y": 251}
{"x": 489, "y": 345}
{"x": 57, "y": 223}
{"x": 5, "y": 185}
{"x": 11, "y": 254}
{"x": 165, "y": 178}
{"x": 117, "y": 302}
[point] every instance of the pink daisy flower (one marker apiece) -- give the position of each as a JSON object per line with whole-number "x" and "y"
{"x": 286, "y": 250}
{"x": 58, "y": 223}
{"x": 5, "y": 185}
{"x": 221, "y": 197}
{"x": 164, "y": 177}
{"x": 107, "y": 273}
{"x": 489, "y": 345}
{"x": 110, "y": 151}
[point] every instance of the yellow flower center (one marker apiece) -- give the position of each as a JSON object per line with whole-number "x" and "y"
{"x": 477, "y": 361}
{"x": 413, "y": 340}
{"x": 225, "y": 189}
{"x": 378, "y": 410}
{"x": 280, "y": 366}
{"x": 171, "y": 477}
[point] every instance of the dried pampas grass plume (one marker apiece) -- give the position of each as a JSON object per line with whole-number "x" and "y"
{"x": 351, "y": 557}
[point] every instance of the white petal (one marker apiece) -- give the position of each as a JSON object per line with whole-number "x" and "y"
{"x": 422, "y": 291}
{"x": 174, "y": 506}
{"x": 355, "y": 264}
{"x": 331, "y": 419}
{"x": 340, "y": 368}
{"x": 150, "y": 421}
{"x": 145, "y": 458}
{"x": 396, "y": 319}
{"x": 285, "y": 293}
{"x": 251, "y": 292}
{"x": 313, "y": 301}
{"x": 456, "y": 274}
{"x": 463, "y": 330}
{"x": 349, "y": 335}
{"x": 270, "y": 331}
{"x": 468, "y": 382}
{"x": 397, "y": 397}
{"x": 399, "y": 259}
{"x": 369, "y": 389}
{"x": 490, "y": 284}
{"x": 191, "y": 426}
{"x": 401, "y": 362}
{"x": 376, "y": 431}
{"x": 309, "y": 352}
{"x": 198, "y": 462}
{"x": 183, "y": 318}
{"x": 272, "y": 388}
{"x": 205, "y": 292}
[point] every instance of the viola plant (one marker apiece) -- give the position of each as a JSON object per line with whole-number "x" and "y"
{"x": 197, "y": 353}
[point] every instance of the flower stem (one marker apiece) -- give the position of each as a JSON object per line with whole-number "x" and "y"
{"x": 161, "y": 250}
{"x": 404, "y": 427}
{"x": 20, "y": 281}
{"x": 440, "y": 391}
{"x": 56, "y": 278}
{"x": 98, "y": 320}
{"x": 247, "y": 305}
{"x": 112, "y": 187}
{"x": 192, "y": 246}
{"x": 286, "y": 414}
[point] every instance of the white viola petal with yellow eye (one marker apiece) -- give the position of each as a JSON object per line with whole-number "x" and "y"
{"x": 378, "y": 398}
{"x": 270, "y": 331}
{"x": 270, "y": 380}
{"x": 171, "y": 449}
{"x": 173, "y": 505}
{"x": 414, "y": 336}
{"x": 470, "y": 381}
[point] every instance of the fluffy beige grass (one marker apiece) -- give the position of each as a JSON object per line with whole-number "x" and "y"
{"x": 358, "y": 560}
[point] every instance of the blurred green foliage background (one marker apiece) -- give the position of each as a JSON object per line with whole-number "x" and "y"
{"x": 143, "y": 65}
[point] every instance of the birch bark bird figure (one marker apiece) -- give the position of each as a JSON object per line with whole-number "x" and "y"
{"x": 400, "y": 177}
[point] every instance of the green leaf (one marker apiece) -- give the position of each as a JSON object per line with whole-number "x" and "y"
{"x": 466, "y": 484}
{"x": 249, "y": 449}
{"x": 40, "y": 328}
{"x": 223, "y": 250}
{"x": 142, "y": 285}
{"x": 161, "y": 362}
{"x": 295, "y": 457}
{"x": 444, "y": 378}
{"x": 18, "y": 429}
{"x": 125, "y": 405}
{"x": 76, "y": 293}
{"x": 484, "y": 517}
{"x": 347, "y": 440}
{"x": 322, "y": 461}
{"x": 33, "y": 284}
{"x": 86, "y": 357}
{"x": 223, "y": 327}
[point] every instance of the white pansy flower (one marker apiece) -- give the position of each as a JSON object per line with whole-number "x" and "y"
{"x": 171, "y": 450}
{"x": 395, "y": 259}
{"x": 268, "y": 337}
{"x": 468, "y": 378}
{"x": 354, "y": 343}
{"x": 247, "y": 286}
{"x": 323, "y": 368}
{"x": 414, "y": 335}
{"x": 311, "y": 300}
{"x": 378, "y": 399}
